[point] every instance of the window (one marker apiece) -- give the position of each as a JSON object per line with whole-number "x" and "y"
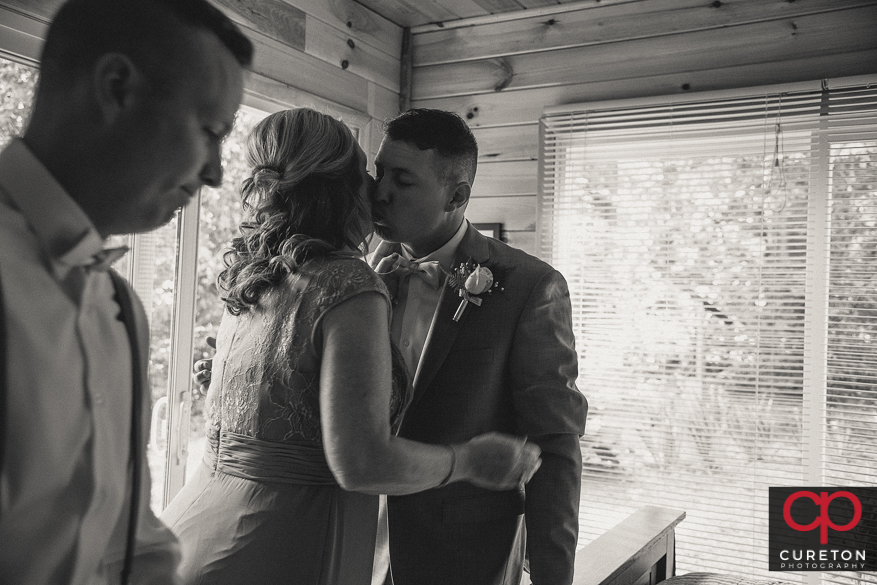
{"x": 720, "y": 252}
{"x": 181, "y": 284}
{"x": 221, "y": 213}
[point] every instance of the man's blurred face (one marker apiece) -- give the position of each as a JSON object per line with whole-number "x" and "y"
{"x": 174, "y": 136}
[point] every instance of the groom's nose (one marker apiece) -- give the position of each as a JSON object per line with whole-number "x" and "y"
{"x": 381, "y": 192}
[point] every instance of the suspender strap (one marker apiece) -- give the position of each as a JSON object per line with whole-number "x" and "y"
{"x": 123, "y": 297}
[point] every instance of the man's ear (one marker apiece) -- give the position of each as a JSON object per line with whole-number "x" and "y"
{"x": 460, "y": 196}
{"x": 116, "y": 82}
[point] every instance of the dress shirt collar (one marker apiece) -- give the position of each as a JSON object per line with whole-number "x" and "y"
{"x": 445, "y": 254}
{"x": 63, "y": 229}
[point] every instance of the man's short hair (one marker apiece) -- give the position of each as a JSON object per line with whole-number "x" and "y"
{"x": 83, "y": 30}
{"x": 444, "y": 132}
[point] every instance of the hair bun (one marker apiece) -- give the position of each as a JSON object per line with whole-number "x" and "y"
{"x": 267, "y": 175}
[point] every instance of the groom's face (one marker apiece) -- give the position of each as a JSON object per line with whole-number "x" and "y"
{"x": 411, "y": 200}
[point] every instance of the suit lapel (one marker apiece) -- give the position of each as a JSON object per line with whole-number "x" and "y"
{"x": 444, "y": 330}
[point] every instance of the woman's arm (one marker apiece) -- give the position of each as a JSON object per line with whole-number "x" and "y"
{"x": 355, "y": 415}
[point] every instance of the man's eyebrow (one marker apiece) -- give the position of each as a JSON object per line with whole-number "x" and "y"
{"x": 398, "y": 170}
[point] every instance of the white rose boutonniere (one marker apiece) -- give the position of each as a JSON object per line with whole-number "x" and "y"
{"x": 470, "y": 281}
{"x": 479, "y": 281}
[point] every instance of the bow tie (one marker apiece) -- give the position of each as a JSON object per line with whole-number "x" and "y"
{"x": 430, "y": 272}
{"x": 396, "y": 265}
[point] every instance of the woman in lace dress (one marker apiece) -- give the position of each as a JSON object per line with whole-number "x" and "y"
{"x": 307, "y": 387}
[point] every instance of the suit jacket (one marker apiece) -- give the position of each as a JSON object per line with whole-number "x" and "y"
{"x": 508, "y": 365}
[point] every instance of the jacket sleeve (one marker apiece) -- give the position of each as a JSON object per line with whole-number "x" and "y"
{"x": 551, "y": 411}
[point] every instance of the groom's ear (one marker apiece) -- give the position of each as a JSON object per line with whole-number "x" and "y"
{"x": 460, "y": 196}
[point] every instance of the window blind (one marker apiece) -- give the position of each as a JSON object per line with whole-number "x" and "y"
{"x": 720, "y": 255}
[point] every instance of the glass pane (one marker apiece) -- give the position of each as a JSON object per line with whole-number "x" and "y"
{"x": 17, "y": 85}
{"x": 220, "y": 215}
{"x": 851, "y": 409}
{"x": 155, "y": 266}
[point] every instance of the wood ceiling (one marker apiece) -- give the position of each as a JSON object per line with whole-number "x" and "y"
{"x": 413, "y": 13}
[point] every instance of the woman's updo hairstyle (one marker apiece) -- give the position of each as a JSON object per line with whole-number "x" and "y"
{"x": 301, "y": 200}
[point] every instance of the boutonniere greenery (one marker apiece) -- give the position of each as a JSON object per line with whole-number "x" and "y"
{"x": 471, "y": 280}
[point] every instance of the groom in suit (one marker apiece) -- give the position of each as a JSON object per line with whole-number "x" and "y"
{"x": 505, "y": 362}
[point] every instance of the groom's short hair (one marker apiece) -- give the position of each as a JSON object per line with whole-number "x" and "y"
{"x": 444, "y": 132}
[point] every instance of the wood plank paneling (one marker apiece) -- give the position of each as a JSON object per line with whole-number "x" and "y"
{"x": 514, "y": 213}
{"x": 537, "y": 3}
{"x": 507, "y": 143}
{"x": 342, "y": 49}
{"x": 613, "y": 23}
{"x": 518, "y": 107}
{"x": 383, "y": 106}
{"x": 465, "y": 8}
{"x": 496, "y": 179}
{"x": 385, "y": 103}
{"x": 764, "y": 42}
{"x": 43, "y": 10}
{"x": 297, "y": 30}
{"x": 500, "y": 6}
{"x": 270, "y": 95}
{"x": 413, "y": 12}
{"x": 547, "y": 10}
{"x": 283, "y": 74}
{"x": 276, "y": 61}
{"x": 273, "y": 18}
{"x": 376, "y": 135}
{"x": 365, "y": 25}
{"x": 21, "y": 36}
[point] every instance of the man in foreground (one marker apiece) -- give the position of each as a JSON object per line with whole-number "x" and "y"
{"x": 133, "y": 100}
{"x": 489, "y": 346}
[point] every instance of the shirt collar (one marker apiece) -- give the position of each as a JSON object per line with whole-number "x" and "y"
{"x": 445, "y": 254}
{"x": 63, "y": 229}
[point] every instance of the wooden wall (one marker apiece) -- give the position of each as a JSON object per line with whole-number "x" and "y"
{"x": 333, "y": 55}
{"x": 500, "y": 72}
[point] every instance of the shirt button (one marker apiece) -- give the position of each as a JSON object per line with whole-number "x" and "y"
{"x": 407, "y": 343}
{"x": 99, "y": 399}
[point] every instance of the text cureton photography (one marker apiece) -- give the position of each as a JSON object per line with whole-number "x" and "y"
{"x": 823, "y": 529}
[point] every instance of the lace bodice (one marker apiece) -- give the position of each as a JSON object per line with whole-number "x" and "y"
{"x": 266, "y": 372}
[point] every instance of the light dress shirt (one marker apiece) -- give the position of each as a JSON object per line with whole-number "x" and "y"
{"x": 413, "y": 313}
{"x": 64, "y": 486}
{"x": 416, "y": 302}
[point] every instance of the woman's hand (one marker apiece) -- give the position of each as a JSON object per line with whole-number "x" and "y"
{"x": 496, "y": 461}
{"x": 202, "y": 371}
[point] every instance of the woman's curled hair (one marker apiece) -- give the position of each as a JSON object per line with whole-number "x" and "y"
{"x": 301, "y": 200}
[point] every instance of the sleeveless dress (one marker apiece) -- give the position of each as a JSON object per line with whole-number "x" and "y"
{"x": 264, "y": 507}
